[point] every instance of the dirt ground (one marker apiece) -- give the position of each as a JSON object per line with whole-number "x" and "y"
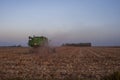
{"x": 65, "y": 63}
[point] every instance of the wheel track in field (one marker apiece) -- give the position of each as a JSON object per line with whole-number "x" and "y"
{"x": 87, "y": 52}
{"x": 110, "y": 52}
{"x": 103, "y": 52}
{"x": 97, "y": 53}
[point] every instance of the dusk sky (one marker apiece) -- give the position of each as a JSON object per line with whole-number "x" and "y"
{"x": 62, "y": 21}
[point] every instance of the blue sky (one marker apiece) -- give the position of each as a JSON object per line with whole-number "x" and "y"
{"x": 62, "y": 21}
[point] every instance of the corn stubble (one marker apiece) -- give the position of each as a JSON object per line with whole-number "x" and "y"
{"x": 66, "y": 63}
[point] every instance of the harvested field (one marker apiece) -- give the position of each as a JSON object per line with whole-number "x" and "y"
{"x": 67, "y": 63}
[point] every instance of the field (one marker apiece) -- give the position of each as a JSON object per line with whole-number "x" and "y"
{"x": 67, "y": 63}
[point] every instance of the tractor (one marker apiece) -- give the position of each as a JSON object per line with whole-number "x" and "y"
{"x": 39, "y": 44}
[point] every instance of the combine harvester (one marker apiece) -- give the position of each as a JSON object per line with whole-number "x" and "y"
{"x": 39, "y": 44}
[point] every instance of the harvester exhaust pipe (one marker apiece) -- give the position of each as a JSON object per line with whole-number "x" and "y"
{"x": 30, "y": 37}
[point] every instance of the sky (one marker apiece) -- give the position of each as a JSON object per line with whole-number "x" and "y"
{"x": 62, "y": 21}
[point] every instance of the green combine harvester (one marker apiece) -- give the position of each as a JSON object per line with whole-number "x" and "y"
{"x": 38, "y": 44}
{"x": 37, "y": 41}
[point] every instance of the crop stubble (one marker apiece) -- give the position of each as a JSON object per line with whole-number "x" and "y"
{"x": 67, "y": 63}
